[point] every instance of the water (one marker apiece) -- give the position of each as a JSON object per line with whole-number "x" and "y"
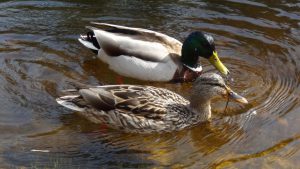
{"x": 40, "y": 55}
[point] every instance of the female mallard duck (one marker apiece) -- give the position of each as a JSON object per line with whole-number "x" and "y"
{"x": 146, "y": 109}
{"x": 147, "y": 55}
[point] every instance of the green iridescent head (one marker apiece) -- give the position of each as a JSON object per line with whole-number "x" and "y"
{"x": 196, "y": 45}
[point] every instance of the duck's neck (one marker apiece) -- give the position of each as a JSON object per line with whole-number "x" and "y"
{"x": 201, "y": 109}
{"x": 184, "y": 74}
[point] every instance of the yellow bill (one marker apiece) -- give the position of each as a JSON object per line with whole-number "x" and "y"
{"x": 214, "y": 60}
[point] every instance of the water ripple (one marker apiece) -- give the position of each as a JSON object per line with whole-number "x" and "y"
{"x": 39, "y": 55}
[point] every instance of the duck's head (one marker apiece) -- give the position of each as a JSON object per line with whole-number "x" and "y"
{"x": 196, "y": 45}
{"x": 211, "y": 85}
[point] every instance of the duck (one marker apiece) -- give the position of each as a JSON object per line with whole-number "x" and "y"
{"x": 149, "y": 55}
{"x": 148, "y": 109}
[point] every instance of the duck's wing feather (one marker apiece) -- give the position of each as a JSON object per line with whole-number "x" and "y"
{"x": 148, "y": 102}
{"x": 144, "y": 33}
{"x": 145, "y": 44}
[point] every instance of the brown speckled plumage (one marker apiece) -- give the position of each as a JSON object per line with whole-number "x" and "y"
{"x": 146, "y": 109}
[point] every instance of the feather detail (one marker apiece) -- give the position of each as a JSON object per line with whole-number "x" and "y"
{"x": 139, "y": 68}
{"x": 135, "y": 52}
{"x": 125, "y": 106}
{"x": 147, "y": 109}
{"x": 71, "y": 102}
{"x": 147, "y": 35}
{"x": 119, "y": 44}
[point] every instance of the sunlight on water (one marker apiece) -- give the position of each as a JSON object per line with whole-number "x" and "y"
{"x": 40, "y": 55}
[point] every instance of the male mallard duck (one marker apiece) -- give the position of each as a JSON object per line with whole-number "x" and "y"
{"x": 148, "y": 109}
{"x": 147, "y": 55}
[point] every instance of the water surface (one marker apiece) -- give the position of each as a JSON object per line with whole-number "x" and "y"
{"x": 259, "y": 41}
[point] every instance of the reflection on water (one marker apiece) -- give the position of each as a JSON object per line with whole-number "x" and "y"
{"x": 40, "y": 55}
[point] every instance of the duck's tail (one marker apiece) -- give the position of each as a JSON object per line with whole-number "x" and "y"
{"x": 90, "y": 41}
{"x": 73, "y": 100}
{"x": 69, "y": 102}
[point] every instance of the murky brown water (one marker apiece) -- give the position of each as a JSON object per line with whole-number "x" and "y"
{"x": 40, "y": 55}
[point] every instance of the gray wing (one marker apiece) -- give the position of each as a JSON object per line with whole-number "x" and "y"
{"x": 140, "y": 33}
{"x": 145, "y": 44}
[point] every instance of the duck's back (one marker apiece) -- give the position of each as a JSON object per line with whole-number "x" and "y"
{"x": 130, "y": 107}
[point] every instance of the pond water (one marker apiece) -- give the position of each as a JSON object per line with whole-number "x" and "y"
{"x": 259, "y": 41}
